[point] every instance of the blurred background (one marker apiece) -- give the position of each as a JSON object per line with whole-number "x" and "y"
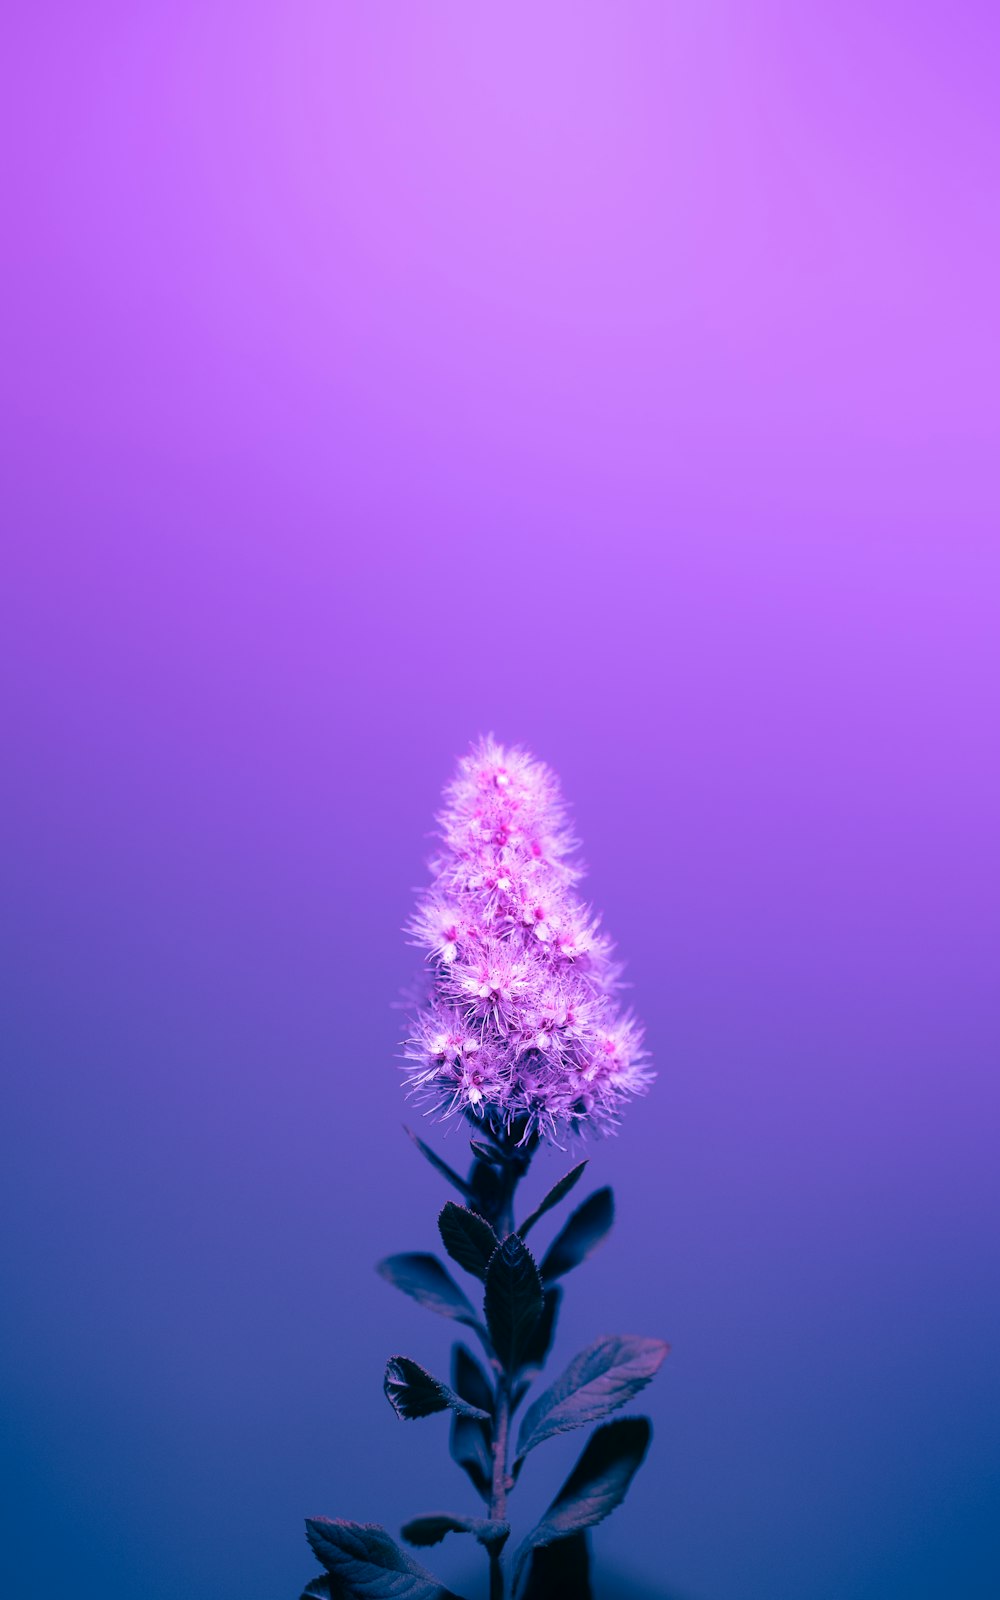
{"x": 620, "y": 378}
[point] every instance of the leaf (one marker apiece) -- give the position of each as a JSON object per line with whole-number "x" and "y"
{"x": 586, "y": 1229}
{"x": 470, "y": 1450}
{"x": 485, "y": 1189}
{"x": 600, "y": 1379}
{"x": 319, "y": 1589}
{"x": 540, "y": 1343}
{"x": 513, "y": 1300}
{"x": 558, "y": 1192}
{"x": 429, "y": 1283}
{"x": 468, "y": 1238}
{"x": 441, "y": 1166}
{"x": 500, "y": 1154}
{"x": 469, "y": 1379}
{"x": 485, "y": 1152}
{"x": 598, "y": 1483}
{"x": 470, "y": 1441}
{"x": 432, "y": 1529}
{"x": 561, "y": 1569}
{"x": 365, "y": 1564}
{"x": 413, "y": 1392}
{"x": 518, "y": 1393}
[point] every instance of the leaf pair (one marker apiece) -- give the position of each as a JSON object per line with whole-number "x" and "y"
{"x": 515, "y": 1303}
{"x": 519, "y": 1324}
{"x": 470, "y": 1241}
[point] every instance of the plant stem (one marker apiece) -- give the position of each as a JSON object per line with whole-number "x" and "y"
{"x": 496, "y": 1575}
{"x": 511, "y": 1175}
{"x": 498, "y": 1495}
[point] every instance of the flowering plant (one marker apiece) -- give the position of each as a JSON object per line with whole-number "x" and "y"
{"x": 517, "y": 1031}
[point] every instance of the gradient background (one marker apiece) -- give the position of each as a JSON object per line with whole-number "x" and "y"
{"x": 621, "y": 378}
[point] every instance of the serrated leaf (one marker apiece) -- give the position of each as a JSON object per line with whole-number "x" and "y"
{"x": 468, "y": 1238}
{"x": 470, "y": 1441}
{"x": 432, "y": 1529}
{"x": 513, "y": 1300}
{"x": 598, "y": 1483}
{"x": 600, "y": 1379}
{"x": 429, "y": 1283}
{"x": 319, "y": 1589}
{"x": 540, "y": 1343}
{"x": 432, "y": 1156}
{"x": 561, "y": 1569}
{"x": 413, "y": 1392}
{"x": 366, "y": 1564}
{"x": 587, "y": 1227}
{"x": 558, "y": 1192}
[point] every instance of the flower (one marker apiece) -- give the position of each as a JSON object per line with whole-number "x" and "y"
{"x": 519, "y": 1026}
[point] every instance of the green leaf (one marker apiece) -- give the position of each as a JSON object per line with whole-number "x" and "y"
{"x": 432, "y": 1529}
{"x": 558, "y": 1192}
{"x": 413, "y": 1392}
{"x": 598, "y": 1483}
{"x": 587, "y": 1227}
{"x": 468, "y": 1238}
{"x": 429, "y": 1283}
{"x": 561, "y": 1569}
{"x": 599, "y": 1380}
{"x": 364, "y": 1563}
{"x": 470, "y": 1441}
{"x": 513, "y": 1300}
{"x": 446, "y": 1172}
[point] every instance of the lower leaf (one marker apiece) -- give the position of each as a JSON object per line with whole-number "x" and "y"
{"x": 364, "y": 1563}
{"x": 561, "y": 1569}
{"x": 598, "y": 1483}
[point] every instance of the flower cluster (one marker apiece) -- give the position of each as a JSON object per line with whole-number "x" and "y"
{"x": 519, "y": 1025}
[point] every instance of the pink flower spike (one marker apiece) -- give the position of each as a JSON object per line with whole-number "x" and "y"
{"x": 519, "y": 1028}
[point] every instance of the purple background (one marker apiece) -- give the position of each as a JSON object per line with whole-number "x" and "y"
{"x": 620, "y": 378}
